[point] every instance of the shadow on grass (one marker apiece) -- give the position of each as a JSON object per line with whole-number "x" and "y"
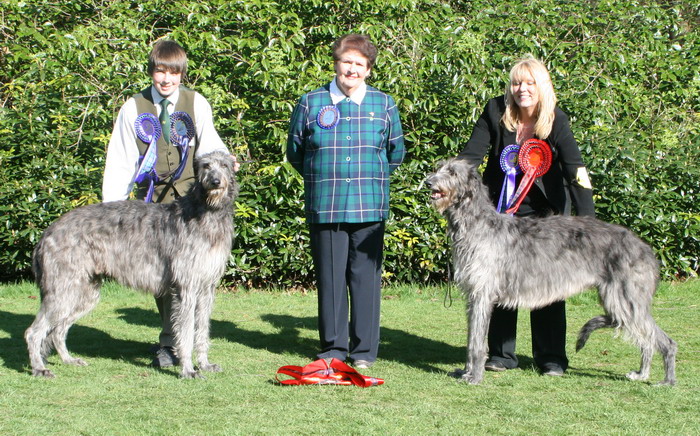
{"x": 85, "y": 341}
{"x": 396, "y": 345}
{"x": 599, "y": 374}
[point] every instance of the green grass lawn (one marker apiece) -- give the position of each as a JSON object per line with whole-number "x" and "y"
{"x": 254, "y": 333}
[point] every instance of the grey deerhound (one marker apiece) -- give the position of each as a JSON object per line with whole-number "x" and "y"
{"x": 180, "y": 248}
{"x": 524, "y": 262}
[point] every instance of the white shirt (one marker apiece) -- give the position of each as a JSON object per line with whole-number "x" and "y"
{"x": 123, "y": 153}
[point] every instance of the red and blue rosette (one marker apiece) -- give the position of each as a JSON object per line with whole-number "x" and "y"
{"x": 535, "y": 159}
{"x": 182, "y": 131}
{"x": 148, "y": 130}
{"x": 511, "y": 168}
{"x": 328, "y": 117}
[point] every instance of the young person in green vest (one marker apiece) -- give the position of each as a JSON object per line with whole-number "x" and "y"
{"x": 173, "y": 172}
{"x": 345, "y": 139}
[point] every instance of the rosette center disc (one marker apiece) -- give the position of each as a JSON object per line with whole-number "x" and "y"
{"x": 535, "y": 156}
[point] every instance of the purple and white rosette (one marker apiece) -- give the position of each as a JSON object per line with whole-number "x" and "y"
{"x": 148, "y": 130}
{"x": 328, "y": 117}
{"x": 511, "y": 168}
{"x": 182, "y": 131}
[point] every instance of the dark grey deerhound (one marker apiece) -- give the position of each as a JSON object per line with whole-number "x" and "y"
{"x": 523, "y": 262}
{"x": 180, "y": 248}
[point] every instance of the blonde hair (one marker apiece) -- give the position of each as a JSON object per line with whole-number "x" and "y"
{"x": 527, "y": 68}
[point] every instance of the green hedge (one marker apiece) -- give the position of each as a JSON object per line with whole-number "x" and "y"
{"x": 626, "y": 72}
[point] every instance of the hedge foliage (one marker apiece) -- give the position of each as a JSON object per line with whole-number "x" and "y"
{"x": 626, "y": 72}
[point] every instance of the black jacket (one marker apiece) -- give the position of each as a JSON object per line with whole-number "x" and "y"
{"x": 555, "y": 189}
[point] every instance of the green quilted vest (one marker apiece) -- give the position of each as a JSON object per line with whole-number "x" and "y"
{"x": 166, "y": 191}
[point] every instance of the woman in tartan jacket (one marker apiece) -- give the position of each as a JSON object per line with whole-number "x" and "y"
{"x": 345, "y": 139}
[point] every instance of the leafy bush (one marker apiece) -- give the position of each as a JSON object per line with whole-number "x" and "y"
{"x": 626, "y": 72}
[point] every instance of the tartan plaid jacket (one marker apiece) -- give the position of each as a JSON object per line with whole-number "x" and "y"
{"x": 346, "y": 168}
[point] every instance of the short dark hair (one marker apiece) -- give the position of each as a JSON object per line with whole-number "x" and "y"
{"x": 169, "y": 55}
{"x": 355, "y": 41}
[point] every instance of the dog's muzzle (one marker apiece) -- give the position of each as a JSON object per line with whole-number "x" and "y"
{"x": 435, "y": 194}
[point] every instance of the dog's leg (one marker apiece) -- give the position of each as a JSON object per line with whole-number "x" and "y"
{"x": 479, "y": 312}
{"x": 183, "y": 325}
{"x": 39, "y": 348}
{"x": 645, "y": 366}
{"x": 76, "y": 303}
{"x": 667, "y": 348}
{"x": 202, "y": 316}
{"x": 58, "y": 336}
{"x": 633, "y": 316}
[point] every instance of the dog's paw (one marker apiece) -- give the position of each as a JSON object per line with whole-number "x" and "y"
{"x": 75, "y": 361}
{"x": 471, "y": 379}
{"x": 210, "y": 367}
{"x": 46, "y": 373}
{"x": 191, "y": 374}
{"x": 636, "y": 375}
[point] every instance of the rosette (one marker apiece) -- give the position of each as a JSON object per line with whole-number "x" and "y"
{"x": 328, "y": 117}
{"x": 535, "y": 158}
{"x": 509, "y": 165}
{"x": 181, "y": 133}
{"x": 181, "y": 128}
{"x": 148, "y": 130}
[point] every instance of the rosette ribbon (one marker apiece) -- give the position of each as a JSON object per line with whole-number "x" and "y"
{"x": 181, "y": 133}
{"x": 509, "y": 165}
{"x": 535, "y": 158}
{"x": 321, "y": 372}
{"x": 148, "y": 130}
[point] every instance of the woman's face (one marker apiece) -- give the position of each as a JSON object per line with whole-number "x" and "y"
{"x": 351, "y": 70}
{"x": 525, "y": 92}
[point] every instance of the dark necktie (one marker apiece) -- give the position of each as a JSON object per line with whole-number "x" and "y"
{"x": 165, "y": 119}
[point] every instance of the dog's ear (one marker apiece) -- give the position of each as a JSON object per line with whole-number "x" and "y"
{"x": 469, "y": 181}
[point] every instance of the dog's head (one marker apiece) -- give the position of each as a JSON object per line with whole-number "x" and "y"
{"x": 217, "y": 178}
{"x": 453, "y": 183}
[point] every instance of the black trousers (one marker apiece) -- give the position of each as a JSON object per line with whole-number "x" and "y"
{"x": 548, "y": 327}
{"x": 348, "y": 257}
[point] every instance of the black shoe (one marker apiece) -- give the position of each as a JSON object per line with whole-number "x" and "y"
{"x": 552, "y": 369}
{"x": 165, "y": 357}
{"x": 495, "y": 365}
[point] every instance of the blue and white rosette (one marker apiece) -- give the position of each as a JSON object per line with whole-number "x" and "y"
{"x": 511, "y": 168}
{"x": 181, "y": 133}
{"x": 328, "y": 117}
{"x": 148, "y": 130}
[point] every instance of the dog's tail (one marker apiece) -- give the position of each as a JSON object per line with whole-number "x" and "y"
{"x": 596, "y": 323}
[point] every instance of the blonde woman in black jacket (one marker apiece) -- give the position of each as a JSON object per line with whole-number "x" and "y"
{"x": 528, "y": 110}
